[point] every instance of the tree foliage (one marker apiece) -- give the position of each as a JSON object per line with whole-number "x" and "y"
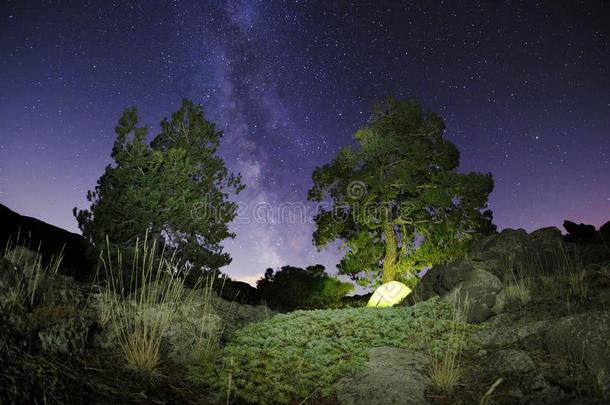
{"x": 397, "y": 201}
{"x": 176, "y": 189}
{"x": 295, "y": 288}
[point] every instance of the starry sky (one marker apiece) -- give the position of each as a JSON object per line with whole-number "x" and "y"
{"x": 524, "y": 88}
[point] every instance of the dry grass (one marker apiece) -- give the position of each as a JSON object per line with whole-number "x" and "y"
{"x": 518, "y": 285}
{"x": 142, "y": 311}
{"x": 106, "y": 308}
{"x": 485, "y": 398}
{"x": 569, "y": 278}
{"x": 446, "y": 369}
{"x": 33, "y": 273}
{"x": 561, "y": 274}
{"x": 208, "y": 341}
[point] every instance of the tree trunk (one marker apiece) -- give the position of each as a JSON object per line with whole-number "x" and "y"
{"x": 389, "y": 260}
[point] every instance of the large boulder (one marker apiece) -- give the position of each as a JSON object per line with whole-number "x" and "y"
{"x": 392, "y": 376}
{"x": 476, "y": 295}
{"x": 547, "y": 241}
{"x": 512, "y": 361}
{"x": 584, "y": 337}
{"x": 66, "y": 335}
{"x": 580, "y": 233}
{"x": 494, "y": 250}
{"x": 466, "y": 283}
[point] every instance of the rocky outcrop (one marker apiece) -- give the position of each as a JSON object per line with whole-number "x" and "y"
{"x": 496, "y": 253}
{"x": 392, "y": 376}
{"x": 498, "y": 259}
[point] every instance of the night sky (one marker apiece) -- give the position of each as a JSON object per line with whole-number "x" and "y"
{"x": 524, "y": 88}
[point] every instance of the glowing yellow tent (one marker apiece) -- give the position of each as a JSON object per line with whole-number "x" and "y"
{"x": 389, "y": 294}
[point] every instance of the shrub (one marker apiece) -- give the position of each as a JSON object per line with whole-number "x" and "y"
{"x": 288, "y": 357}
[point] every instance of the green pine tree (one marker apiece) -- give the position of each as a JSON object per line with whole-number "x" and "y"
{"x": 176, "y": 189}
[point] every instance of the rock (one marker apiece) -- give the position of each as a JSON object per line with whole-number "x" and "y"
{"x": 196, "y": 326}
{"x": 580, "y": 233}
{"x": 497, "y": 248}
{"x": 237, "y": 316}
{"x": 549, "y": 236}
{"x": 57, "y": 289}
{"x": 539, "y": 390}
{"x": 512, "y": 361}
{"x": 39, "y": 284}
{"x": 496, "y": 253}
{"x": 584, "y": 338}
{"x": 460, "y": 281}
{"x": 67, "y": 336}
{"x": 392, "y": 376}
{"x": 546, "y": 242}
{"x": 503, "y": 331}
{"x": 479, "y": 292}
{"x": 25, "y": 258}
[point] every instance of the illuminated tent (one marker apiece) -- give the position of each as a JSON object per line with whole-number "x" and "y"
{"x": 389, "y": 294}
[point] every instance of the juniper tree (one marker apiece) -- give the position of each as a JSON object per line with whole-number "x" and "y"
{"x": 397, "y": 200}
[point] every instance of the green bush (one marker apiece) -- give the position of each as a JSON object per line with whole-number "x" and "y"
{"x": 290, "y": 356}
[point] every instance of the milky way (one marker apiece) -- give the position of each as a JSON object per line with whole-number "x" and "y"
{"x": 524, "y": 89}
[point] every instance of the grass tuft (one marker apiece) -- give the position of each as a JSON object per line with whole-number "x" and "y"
{"x": 142, "y": 311}
{"x": 445, "y": 370}
{"x": 33, "y": 274}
